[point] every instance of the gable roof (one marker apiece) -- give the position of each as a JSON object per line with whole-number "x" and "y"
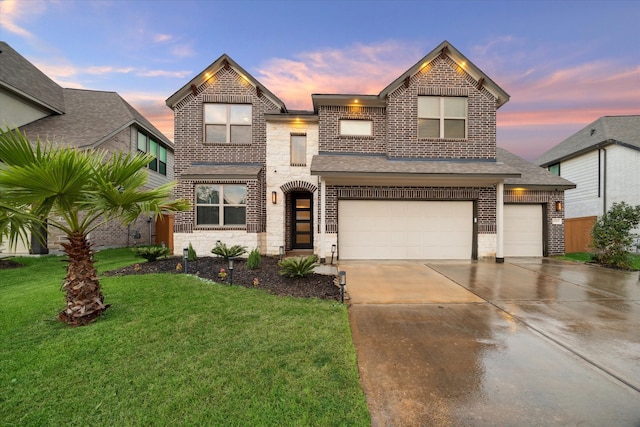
{"x": 21, "y": 77}
{"x": 607, "y": 130}
{"x": 531, "y": 176}
{"x": 223, "y": 61}
{"x": 445, "y": 48}
{"x": 91, "y": 118}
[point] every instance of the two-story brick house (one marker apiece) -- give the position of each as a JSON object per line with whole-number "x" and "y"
{"x": 410, "y": 173}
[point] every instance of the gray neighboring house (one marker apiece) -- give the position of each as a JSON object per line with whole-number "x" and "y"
{"x": 84, "y": 119}
{"x": 410, "y": 173}
{"x": 603, "y": 159}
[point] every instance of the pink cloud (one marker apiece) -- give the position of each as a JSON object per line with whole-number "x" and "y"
{"x": 358, "y": 69}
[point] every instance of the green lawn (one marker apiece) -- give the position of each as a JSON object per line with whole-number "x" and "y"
{"x": 586, "y": 257}
{"x": 172, "y": 350}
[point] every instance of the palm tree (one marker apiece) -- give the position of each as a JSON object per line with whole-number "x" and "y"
{"x": 75, "y": 192}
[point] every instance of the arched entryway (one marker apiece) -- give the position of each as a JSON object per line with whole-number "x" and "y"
{"x": 299, "y": 218}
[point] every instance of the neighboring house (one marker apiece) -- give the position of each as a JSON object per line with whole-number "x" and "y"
{"x": 410, "y": 173}
{"x": 83, "y": 119}
{"x": 603, "y": 159}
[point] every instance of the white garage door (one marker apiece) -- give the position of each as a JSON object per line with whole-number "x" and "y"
{"x": 377, "y": 229}
{"x": 523, "y": 230}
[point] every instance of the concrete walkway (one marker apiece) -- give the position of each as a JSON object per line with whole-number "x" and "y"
{"x": 478, "y": 343}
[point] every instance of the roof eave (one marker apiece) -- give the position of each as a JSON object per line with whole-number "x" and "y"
{"x": 210, "y": 71}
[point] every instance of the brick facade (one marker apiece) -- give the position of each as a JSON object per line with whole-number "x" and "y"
{"x": 394, "y": 119}
{"x": 226, "y": 86}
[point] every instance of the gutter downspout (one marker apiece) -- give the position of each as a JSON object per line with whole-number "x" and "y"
{"x": 602, "y": 177}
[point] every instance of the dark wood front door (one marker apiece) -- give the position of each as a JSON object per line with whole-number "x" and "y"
{"x": 302, "y": 220}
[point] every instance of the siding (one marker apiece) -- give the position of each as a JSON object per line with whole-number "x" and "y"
{"x": 583, "y": 200}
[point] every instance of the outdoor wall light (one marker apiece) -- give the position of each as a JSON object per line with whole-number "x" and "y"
{"x": 343, "y": 282}
{"x": 185, "y": 258}
{"x": 559, "y": 206}
{"x": 281, "y": 252}
{"x": 231, "y": 271}
{"x": 333, "y": 251}
{"x": 274, "y": 197}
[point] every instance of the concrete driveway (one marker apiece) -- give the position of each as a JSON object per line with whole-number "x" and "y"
{"x": 528, "y": 342}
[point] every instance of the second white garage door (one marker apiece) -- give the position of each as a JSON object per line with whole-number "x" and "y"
{"x": 380, "y": 229}
{"x": 523, "y": 230}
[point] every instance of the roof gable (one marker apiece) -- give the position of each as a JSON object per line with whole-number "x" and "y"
{"x": 622, "y": 130}
{"x": 223, "y": 61}
{"x": 20, "y": 76}
{"x": 91, "y": 118}
{"x": 446, "y": 49}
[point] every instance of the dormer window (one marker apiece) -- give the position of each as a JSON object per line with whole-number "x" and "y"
{"x": 442, "y": 117}
{"x": 227, "y": 123}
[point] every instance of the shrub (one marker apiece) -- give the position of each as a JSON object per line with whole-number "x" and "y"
{"x": 192, "y": 254}
{"x": 611, "y": 235}
{"x": 151, "y": 253}
{"x": 297, "y": 267}
{"x": 222, "y": 250}
{"x": 253, "y": 261}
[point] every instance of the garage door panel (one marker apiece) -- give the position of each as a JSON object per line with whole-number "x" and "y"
{"x": 379, "y": 229}
{"x": 523, "y": 230}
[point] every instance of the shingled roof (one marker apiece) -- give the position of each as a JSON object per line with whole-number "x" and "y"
{"x": 607, "y": 130}
{"x": 91, "y": 118}
{"x": 532, "y": 176}
{"x": 23, "y": 78}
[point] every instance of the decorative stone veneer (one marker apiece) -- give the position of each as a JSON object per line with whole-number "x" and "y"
{"x": 205, "y": 240}
{"x": 555, "y": 232}
{"x": 487, "y": 244}
{"x": 284, "y": 179}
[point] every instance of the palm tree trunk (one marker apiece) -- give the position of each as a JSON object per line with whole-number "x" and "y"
{"x": 85, "y": 302}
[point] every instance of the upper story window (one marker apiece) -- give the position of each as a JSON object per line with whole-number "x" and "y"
{"x": 298, "y": 149}
{"x": 149, "y": 145}
{"x": 218, "y": 204}
{"x": 356, "y": 127}
{"x": 227, "y": 123}
{"x": 442, "y": 117}
{"x": 554, "y": 169}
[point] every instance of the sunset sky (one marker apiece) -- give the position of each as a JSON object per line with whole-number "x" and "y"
{"x": 564, "y": 63}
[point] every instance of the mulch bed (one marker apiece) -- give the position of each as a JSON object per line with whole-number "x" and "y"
{"x": 267, "y": 275}
{"x": 7, "y": 263}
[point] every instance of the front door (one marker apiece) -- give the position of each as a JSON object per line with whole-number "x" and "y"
{"x": 302, "y": 220}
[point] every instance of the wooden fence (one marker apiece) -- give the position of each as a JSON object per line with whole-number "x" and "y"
{"x": 577, "y": 234}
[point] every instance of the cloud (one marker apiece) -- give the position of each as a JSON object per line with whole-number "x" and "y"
{"x": 164, "y": 73}
{"x": 357, "y": 69}
{"x": 152, "y": 107}
{"x": 106, "y": 70}
{"x": 162, "y": 38}
{"x": 13, "y": 12}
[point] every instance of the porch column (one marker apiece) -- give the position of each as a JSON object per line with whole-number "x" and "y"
{"x": 500, "y": 222}
{"x": 323, "y": 202}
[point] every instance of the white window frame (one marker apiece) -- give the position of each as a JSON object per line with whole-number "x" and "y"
{"x": 221, "y": 205}
{"x": 298, "y": 156}
{"x": 351, "y": 127}
{"x": 442, "y": 117}
{"x": 227, "y": 123}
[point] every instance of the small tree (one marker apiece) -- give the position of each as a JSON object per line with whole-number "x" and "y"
{"x": 612, "y": 237}
{"x": 75, "y": 192}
